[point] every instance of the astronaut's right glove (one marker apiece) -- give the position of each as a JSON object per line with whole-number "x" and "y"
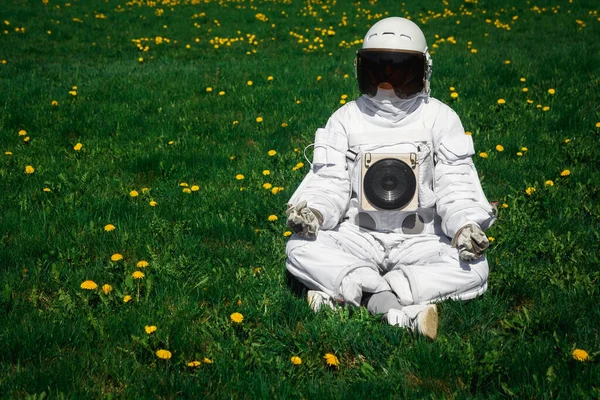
{"x": 303, "y": 220}
{"x": 471, "y": 242}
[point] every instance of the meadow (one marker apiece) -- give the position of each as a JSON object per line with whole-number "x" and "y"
{"x": 147, "y": 152}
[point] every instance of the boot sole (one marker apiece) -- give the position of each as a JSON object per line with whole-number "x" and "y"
{"x": 429, "y": 323}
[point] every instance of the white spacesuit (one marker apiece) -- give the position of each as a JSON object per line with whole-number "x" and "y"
{"x": 392, "y": 212}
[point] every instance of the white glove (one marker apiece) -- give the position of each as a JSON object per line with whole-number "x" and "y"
{"x": 471, "y": 242}
{"x": 303, "y": 220}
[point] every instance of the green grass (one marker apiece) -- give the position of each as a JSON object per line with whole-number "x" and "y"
{"x": 213, "y": 252}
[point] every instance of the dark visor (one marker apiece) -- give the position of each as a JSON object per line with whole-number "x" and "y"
{"x": 405, "y": 71}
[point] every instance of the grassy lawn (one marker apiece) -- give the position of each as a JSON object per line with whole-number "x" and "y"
{"x": 150, "y": 147}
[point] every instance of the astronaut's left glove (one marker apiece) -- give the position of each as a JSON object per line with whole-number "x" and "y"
{"x": 471, "y": 242}
{"x": 303, "y": 220}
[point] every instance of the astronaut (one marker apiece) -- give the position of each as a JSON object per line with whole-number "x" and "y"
{"x": 391, "y": 215}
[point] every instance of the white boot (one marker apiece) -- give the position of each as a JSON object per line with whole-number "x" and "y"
{"x": 316, "y": 299}
{"x": 418, "y": 318}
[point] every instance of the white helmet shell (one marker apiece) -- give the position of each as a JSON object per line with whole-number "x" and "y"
{"x": 395, "y": 33}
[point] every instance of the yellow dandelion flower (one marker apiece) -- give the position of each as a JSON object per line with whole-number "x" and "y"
{"x": 504, "y": 205}
{"x": 209, "y": 89}
{"x": 236, "y": 317}
{"x": 331, "y": 360}
{"x": 239, "y": 177}
{"x": 142, "y": 264}
{"x": 8, "y": 153}
{"x": 287, "y": 233}
{"x": 249, "y": 83}
{"x": 319, "y": 78}
{"x": 47, "y": 190}
{"x": 506, "y": 62}
{"x": 26, "y": 139}
{"x": 134, "y": 193}
{"x": 153, "y": 203}
{"x": 89, "y": 285}
{"x": 236, "y": 122}
{"x": 269, "y": 78}
{"x": 298, "y": 166}
{"x": 566, "y": 172}
{"x": 195, "y": 188}
{"x": 271, "y": 153}
{"x": 106, "y": 288}
{"x": 530, "y": 191}
{"x": 567, "y": 140}
{"x": 77, "y": 147}
{"x": 499, "y": 147}
{"x": 266, "y": 172}
{"x": 491, "y": 239}
{"x": 344, "y": 96}
{"x": 141, "y": 59}
{"x": 207, "y": 360}
{"x": 109, "y": 227}
{"x": 222, "y": 93}
{"x": 284, "y": 124}
{"x": 183, "y": 184}
{"x": 597, "y": 124}
{"x": 186, "y": 190}
{"x": 145, "y": 189}
{"x": 73, "y": 93}
{"x": 267, "y": 185}
{"x": 29, "y": 169}
{"x": 524, "y": 149}
{"x": 164, "y": 354}
{"x": 549, "y": 183}
{"x": 22, "y": 132}
{"x": 272, "y": 217}
{"x": 126, "y": 299}
{"x": 525, "y": 90}
{"x": 259, "y": 119}
{"x": 137, "y": 275}
{"x": 519, "y": 154}
{"x": 523, "y": 79}
{"x": 454, "y": 95}
{"x": 501, "y": 101}
{"x": 545, "y": 108}
{"x": 342, "y": 101}
{"x": 116, "y": 257}
{"x": 194, "y": 364}
{"x": 580, "y": 355}
{"x": 551, "y": 91}
{"x": 483, "y": 154}
{"x": 469, "y": 133}
{"x": 150, "y": 329}
{"x": 296, "y": 360}
{"x": 276, "y": 190}
{"x": 54, "y": 103}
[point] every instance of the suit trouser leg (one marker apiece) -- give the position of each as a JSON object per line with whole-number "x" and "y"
{"x": 343, "y": 263}
{"x": 430, "y": 267}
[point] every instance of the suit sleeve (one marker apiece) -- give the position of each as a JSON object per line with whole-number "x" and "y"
{"x": 326, "y": 188}
{"x": 460, "y": 197}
